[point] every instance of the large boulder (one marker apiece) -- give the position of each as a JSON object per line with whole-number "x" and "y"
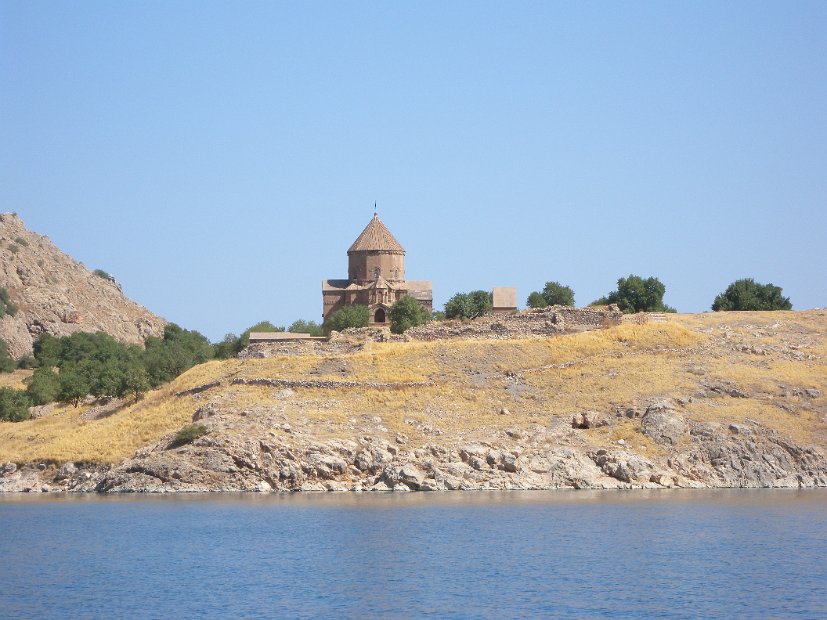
{"x": 663, "y": 424}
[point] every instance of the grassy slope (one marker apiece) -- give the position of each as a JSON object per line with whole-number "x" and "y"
{"x": 601, "y": 371}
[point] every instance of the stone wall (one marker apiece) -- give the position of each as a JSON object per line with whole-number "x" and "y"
{"x": 538, "y": 322}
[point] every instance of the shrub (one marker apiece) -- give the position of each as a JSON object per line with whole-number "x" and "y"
{"x": 347, "y": 317}
{"x": 407, "y": 313}
{"x": 14, "y": 248}
{"x": 747, "y": 294}
{"x": 14, "y": 405}
{"x": 26, "y": 362}
{"x": 102, "y": 274}
{"x": 634, "y": 294}
{"x": 536, "y": 300}
{"x": 469, "y": 305}
{"x": 21, "y": 241}
{"x": 43, "y": 386}
{"x": 306, "y": 327}
{"x": 6, "y": 305}
{"x": 188, "y": 434}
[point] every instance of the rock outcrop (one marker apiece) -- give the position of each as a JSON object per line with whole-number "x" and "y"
{"x": 57, "y": 295}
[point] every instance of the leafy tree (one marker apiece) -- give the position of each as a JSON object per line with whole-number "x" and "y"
{"x": 73, "y": 386}
{"x": 47, "y": 350}
{"x": 14, "y": 405}
{"x": 43, "y": 386}
{"x": 438, "y": 315}
{"x": 179, "y": 350}
{"x": 347, "y": 317}
{"x": 634, "y": 294}
{"x": 136, "y": 381}
{"x": 407, "y": 313}
{"x": 306, "y": 327}
{"x": 553, "y": 294}
{"x": 747, "y": 294}
{"x": 6, "y": 305}
{"x": 556, "y": 294}
{"x": 469, "y": 305}
{"x": 226, "y": 348}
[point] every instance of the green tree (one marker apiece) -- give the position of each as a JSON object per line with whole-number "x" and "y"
{"x": 178, "y": 351}
{"x": 634, "y": 294}
{"x": 43, "y": 386}
{"x": 407, "y": 313}
{"x": 553, "y": 294}
{"x": 349, "y": 316}
{"x": 136, "y": 381}
{"x": 536, "y": 300}
{"x": 74, "y": 386}
{"x": 14, "y": 405}
{"x": 47, "y": 350}
{"x": 556, "y": 294}
{"x": 6, "y": 305}
{"x": 747, "y": 294}
{"x": 469, "y": 305}
{"x": 306, "y": 327}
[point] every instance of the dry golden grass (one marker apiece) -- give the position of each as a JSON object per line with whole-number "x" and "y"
{"x": 14, "y": 379}
{"x": 470, "y": 381}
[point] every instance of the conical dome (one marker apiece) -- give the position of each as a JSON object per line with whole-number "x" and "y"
{"x": 376, "y": 237}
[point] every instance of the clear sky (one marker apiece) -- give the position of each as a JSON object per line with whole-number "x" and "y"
{"x": 218, "y": 158}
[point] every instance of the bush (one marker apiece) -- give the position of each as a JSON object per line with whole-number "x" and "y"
{"x": 306, "y": 327}
{"x": 21, "y": 241}
{"x": 634, "y": 294}
{"x": 188, "y": 434}
{"x": 102, "y": 274}
{"x": 347, "y": 317}
{"x": 747, "y": 294}
{"x": 407, "y": 313}
{"x": 43, "y": 386}
{"x": 6, "y": 305}
{"x": 14, "y": 405}
{"x": 553, "y": 294}
{"x": 536, "y": 300}
{"x": 469, "y": 305}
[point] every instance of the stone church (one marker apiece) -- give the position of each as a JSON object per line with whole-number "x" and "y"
{"x": 376, "y": 277}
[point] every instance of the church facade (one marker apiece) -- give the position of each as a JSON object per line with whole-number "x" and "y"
{"x": 376, "y": 277}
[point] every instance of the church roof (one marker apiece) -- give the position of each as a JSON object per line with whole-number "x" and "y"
{"x": 376, "y": 237}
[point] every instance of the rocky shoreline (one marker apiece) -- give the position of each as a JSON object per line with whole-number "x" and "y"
{"x": 557, "y": 456}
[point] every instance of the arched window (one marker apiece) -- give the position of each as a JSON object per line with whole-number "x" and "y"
{"x": 377, "y": 272}
{"x": 379, "y": 317}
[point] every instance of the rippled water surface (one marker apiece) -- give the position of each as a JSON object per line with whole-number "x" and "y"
{"x": 515, "y": 554}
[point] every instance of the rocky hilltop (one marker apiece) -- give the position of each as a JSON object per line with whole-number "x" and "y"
{"x": 56, "y": 294}
{"x": 712, "y": 400}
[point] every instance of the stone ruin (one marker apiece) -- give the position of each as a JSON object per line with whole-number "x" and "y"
{"x": 539, "y": 322}
{"x": 542, "y": 322}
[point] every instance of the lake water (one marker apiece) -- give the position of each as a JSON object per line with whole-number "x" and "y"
{"x": 681, "y": 554}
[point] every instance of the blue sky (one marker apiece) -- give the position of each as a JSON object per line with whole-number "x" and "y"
{"x": 219, "y": 158}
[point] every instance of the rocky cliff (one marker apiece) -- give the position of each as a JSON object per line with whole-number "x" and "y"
{"x": 713, "y": 400}
{"x": 57, "y": 295}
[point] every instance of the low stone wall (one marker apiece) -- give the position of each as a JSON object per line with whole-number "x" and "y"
{"x": 330, "y": 384}
{"x": 539, "y": 322}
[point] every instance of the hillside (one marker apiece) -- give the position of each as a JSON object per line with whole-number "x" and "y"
{"x": 727, "y": 399}
{"x": 58, "y": 295}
